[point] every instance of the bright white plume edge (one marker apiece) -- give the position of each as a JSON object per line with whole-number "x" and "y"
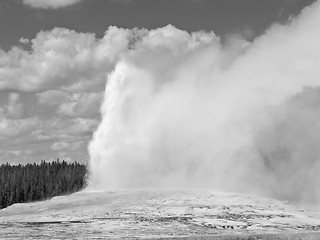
{"x": 185, "y": 111}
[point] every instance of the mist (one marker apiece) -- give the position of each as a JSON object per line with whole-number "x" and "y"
{"x": 187, "y": 110}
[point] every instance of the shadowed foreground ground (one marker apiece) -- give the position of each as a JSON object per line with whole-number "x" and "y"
{"x": 158, "y": 214}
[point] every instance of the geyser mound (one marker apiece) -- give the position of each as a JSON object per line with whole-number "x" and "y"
{"x": 158, "y": 215}
{"x": 186, "y": 111}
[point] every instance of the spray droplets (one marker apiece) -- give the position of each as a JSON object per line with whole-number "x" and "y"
{"x": 180, "y": 114}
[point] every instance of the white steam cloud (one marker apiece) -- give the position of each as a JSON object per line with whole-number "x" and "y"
{"x": 47, "y": 4}
{"x": 187, "y": 111}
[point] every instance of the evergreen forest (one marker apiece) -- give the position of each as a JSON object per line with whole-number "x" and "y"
{"x": 33, "y": 182}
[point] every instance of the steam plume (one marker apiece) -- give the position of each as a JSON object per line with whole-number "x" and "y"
{"x": 186, "y": 111}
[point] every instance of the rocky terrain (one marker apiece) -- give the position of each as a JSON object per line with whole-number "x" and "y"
{"x": 158, "y": 214}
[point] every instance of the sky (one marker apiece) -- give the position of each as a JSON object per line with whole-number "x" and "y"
{"x": 55, "y": 56}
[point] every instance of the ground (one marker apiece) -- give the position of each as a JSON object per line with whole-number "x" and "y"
{"x": 159, "y": 214}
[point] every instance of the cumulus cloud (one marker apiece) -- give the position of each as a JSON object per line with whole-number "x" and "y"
{"x": 59, "y": 59}
{"x": 65, "y": 129}
{"x": 65, "y": 60}
{"x": 81, "y": 105}
{"x": 50, "y": 4}
{"x": 47, "y": 139}
{"x": 60, "y": 81}
{"x": 14, "y": 127}
{"x": 15, "y": 156}
{"x": 58, "y": 146}
{"x": 57, "y": 85}
{"x": 24, "y": 40}
{"x": 52, "y": 98}
{"x": 14, "y": 108}
{"x": 40, "y": 128}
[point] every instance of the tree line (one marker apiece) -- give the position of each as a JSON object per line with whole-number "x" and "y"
{"x": 33, "y": 182}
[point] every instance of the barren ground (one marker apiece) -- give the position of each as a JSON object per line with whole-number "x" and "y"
{"x": 158, "y": 214}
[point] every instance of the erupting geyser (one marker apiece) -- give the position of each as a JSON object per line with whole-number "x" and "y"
{"x": 187, "y": 111}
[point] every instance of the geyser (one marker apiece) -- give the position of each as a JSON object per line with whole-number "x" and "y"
{"x": 187, "y": 111}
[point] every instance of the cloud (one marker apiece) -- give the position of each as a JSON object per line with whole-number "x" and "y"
{"x": 57, "y": 60}
{"x": 10, "y": 128}
{"x": 14, "y": 156}
{"x": 24, "y": 40}
{"x": 50, "y": 4}
{"x": 45, "y": 139}
{"x": 185, "y": 110}
{"x": 58, "y": 146}
{"x": 288, "y": 143}
{"x": 180, "y": 109}
{"x": 14, "y": 107}
{"x": 31, "y": 122}
{"x": 65, "y": 129}
{"x": 58, "y": 83}
{"x": 63, "y": 59}
{"x": 81, "y": 105}
{"x": 52, "y": 97}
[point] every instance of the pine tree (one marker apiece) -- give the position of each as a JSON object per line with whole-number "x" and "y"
{"x": 34, "y": 182}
